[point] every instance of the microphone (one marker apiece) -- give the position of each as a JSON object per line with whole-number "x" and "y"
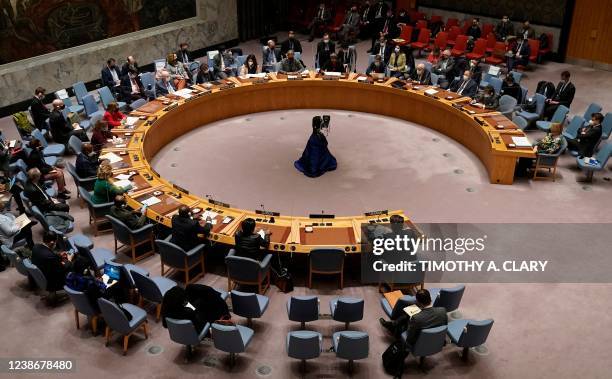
{"x": 263, "y": 211}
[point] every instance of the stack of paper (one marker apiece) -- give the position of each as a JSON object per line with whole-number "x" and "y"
{"x": 362, "y": 79}
{"x": 131, "y": 120}
{"x": 332, "y": 73}
{"x": 122, "y": 183}
{"x": 254, "y": 76}
{"x": 521, "y": 141}
{"x": 210, "y": 214}
{"x": 151, "y": 201}
{"x": 185, "y": 93}
{"x": 227, "y": 220}
{"x": 112, "y": 157}
{"x": 262, "y": 233}
{"x": 123, "y": 177}
{"x": 431, "y": 92}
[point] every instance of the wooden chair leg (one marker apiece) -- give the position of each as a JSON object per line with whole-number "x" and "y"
{"x": 76, "y": 318}
{"x": 108, "y": 335}
{"x": 94, "y": 325}
{"x": 202, "y": 263}
{"x": 144, "y": 329}
{"x": 157, "y": 312}
{"x": 140, "y": 301}
{"x": 126, "y": 341}
{"x": 341, "y": 279}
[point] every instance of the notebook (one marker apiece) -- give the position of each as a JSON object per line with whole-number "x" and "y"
{"x": 393, "y": 297}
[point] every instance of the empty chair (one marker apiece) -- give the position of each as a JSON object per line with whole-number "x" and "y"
{"x": 533, "y": 116}
{"x": 178, "y": 259}
{"x": 74, "y": 108}
{"x": 98, "y": 256}
{"x": 38, "y": 215}
{"x": 55, "y": 149}
{"x": 448, "y": 298}
{"x": 242, "y": 270}
{"x": 423, "y": 40}
{"x": 304, "y": 345}
{"x": 152, "y": 289}
{"x": 91, "y": 107}
{"x": 478, "y": 52}
{"x": 249, "y": 305}
{"x": 520, "y": 122}
{"x": 97, "y": 212}
{"x": 601, "y": 157}
{"x": 303, "y": 309}
{"x": 117, "y": 321}
{"x": 107, "y": 97}
{"x": 429, "y": 342}
{"x": 548, "y": 162}
{"x": 15, "y": 260}
{"x": 80, "y": 91}
{"x": 557, "y": 118}
{"x": 496, "y": 83}
{"x": 571, "y": 131}
{"x": 131, "y": 239}
{"x": 351, "y": 345}
{"x": 231, "y": 339}
{"x": 460, "y": 46}
{"x": 346, "y": 309}
{"x": 498, "y": 56}
{"x": 83, "y": 305}
{"x": 435, "y": 79}
{"x": 507, "y": 105}
{"x": 75, "y": 144}
{"x": 138, "y": 103}
{"x": 405, "y": 35}
{"x": 148, "y": 82}
{"x": 185, "y": 333}
{"x": 469, "y": 333}
{"x": 326, "y": 262}
{"x": 86, "y": 183}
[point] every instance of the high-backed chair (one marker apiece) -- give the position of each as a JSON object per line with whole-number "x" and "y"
{"x": 97, "y": 256}
{"x": 506, "y": 105}
{"x": 138, "y": 103}
{"x": 152, "y": 290}
{"x": 107, "y": 97}
{"x": 398, "y": 309}
{"x": 448, "y": 298}
{"x": 76, "y": 145}
{"x": 606, "y": 129}
{"x": 602, "y": 157}
{"x": 469, "y": 333}
{"x": 346, "y": 309}
{"x": 41, "y": 282}
{"x": 557, "y": 118}
{"x": 86, "y": 183}
{"x": 304, "y": 345}
{"x": 91, "y": 107}
{"x": 351, "y": 345}
{"x": 97, "y": 212}
{"x": 131, "y": 239}
{"x": 242, "y": 270}
{"x": 74, "y": 108}
{"x": 55, "y": 149}
{"x": 178, "y": 259}
{"x": 303, "y": 309}
{"x": 83, "y": 305}
{"x": 184, "y": 332}
{"x": 520, "y": 122}
{"x": 38, "y": 215}
{"x": 80, "y": 91}
{"x": 116, "y": 320}
{"x": 326, "y": 262}
{"x": 571, "y": 130}
{"x": 148, "y": 82}
{"x": 429, "y": 342}
{"x": 534, "y": 116}
{"x": 232, "y": 339}
{"x": 249, "y": 305}
{"x": 15, "y": 260}
{"x": 478, "y": 52}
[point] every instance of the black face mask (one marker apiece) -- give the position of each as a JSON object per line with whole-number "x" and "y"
{"x": 62, "y": 107}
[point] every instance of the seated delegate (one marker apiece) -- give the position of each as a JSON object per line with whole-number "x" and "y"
{"x": 248, "y": 243}
{"x": 104, "y": 191}
{"x": 186, "y": 230}
{"x": 133, "y": 219}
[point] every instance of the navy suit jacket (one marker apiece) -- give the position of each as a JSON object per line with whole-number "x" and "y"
{"x": 470, "y": 89}
{"x": 107, "y": 77}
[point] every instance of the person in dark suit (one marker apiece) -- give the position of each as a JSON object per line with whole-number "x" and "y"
{"x": 133, "y": 219}
{"x": 111, "y": 76}
{"x": 33, "y": 189}
{"x": 465, "y": 86}
{"x": 87, "y": 163}
{"x": 421, "y": 75}
{"x": 475, "y": 69}
{"x": 271, "y": 56}
{"x": 204, "y": 75}
{"x": 291, "y": 43}
{"x": 131, "y": 87}
{"x": 186, "y": 231}
{"x": 546, "y": 89}
{"x": 334, "y": 64}
{"x": 428, "y": 317}
{"x": 183, "y": 54}
{"x": 379, "y": 16}
{"x": 345, "y": 56}
{"x": 40, "y": 113}
{"x": 564, "y": 95}
{"x": 61, "y": 130}
{"x": 384, "y": 49}
{"x": 474, "y": 31}
{"x": 322, "y": 17}
{"x": 350, "y": 25}
{"x": 520, "y": 55}
{"x": 504, "y": 29}
{"x": 377, "y": 66}
{"x": 36, "y": 160}
{"x": 164, "y": 85}
{"x": 130, "y": 63}
{"x": 325, "y": 48}
{"x": 511, "y": 88}
{"x": 54, "y": 266}
{"x": 366, "y": 14}
{"x": 587, "y": 137}
{"x": 248, "y": 243}
{"x": 445, "y": 68}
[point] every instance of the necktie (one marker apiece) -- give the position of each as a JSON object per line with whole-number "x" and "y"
{"x": 185, "y": 58}
{"x": 379, "y": 13}
{"x": 386, "y": 26}
{"x": 462, "y": 88}
{"x": 382, "y": 51}
{"x": 290, "y": 45}
{"x": 321, "y": 14}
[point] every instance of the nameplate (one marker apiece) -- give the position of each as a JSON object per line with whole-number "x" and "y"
{"x": 458, "y": 106}
{"x": 180, "y": 188}
{"x": 377, "y": 213}
{"x": 295, "y": 78}
{"x": 226, "y": 87}
{"x": 479, "y": 120}
{"x": 331, "y": 77}
{"x": 267, "y": 213}
{"x": 432, "y": 96}
{"x": 321, "y": 216}
{"x": 219, "y": 203}
{"x": 170, "y": 107}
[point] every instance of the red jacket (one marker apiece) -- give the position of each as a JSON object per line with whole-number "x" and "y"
{"x": 113, "y": 119}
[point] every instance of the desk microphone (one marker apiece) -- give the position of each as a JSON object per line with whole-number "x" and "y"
{"x": 263, "y": 212}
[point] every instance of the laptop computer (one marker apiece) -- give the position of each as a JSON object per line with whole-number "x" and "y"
{"x": 111, "y": 275}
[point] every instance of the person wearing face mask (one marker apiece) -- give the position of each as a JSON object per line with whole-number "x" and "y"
{"x": 519, "y": 55}
{"x": 465, "y": 86}
{"x": 99, "y": 135}
{"x": 334, "y": 65}
{"x": 87, "y": 163}
{"x": 384, "y": 49}
{"x": 366, "y": 14}
{"x": 346, "y": 57}
{"x": 527, "y": 32}
{"x": 324, "y": 49}
{"x": 271, "y": 56}
{"x": 350, "y": 25}
{"x": 564, "y": 95}
{"x": 511, "y": 88}
{"x": 204, "y": 75}
{"x": 291, "y": 43}
{"x": 380, "y": 19}
{"x": 131, "y": 87}
{"x": 111, "y": 76}
{"x": 130, "y": 63}
{"x": 403, "y": 18}
{"x": 420, "y": 75}
{"x": 186, "y": 231}
{"x": 321, "y": 18}
{"x": 488, "y": 98}
{"x": 376, "y": 67}
{"x": 587, "y": 137}
{"x": 397, "y": 63}
{"x": 476, "y": 70}
{"x": 60, "y": 126}
{"x": 183, "y": 55}
{"x": 504, "y": 29}
{"x": 40, "y": 113}
{"x": 444, "y": 68}
{"x": 54, "y": 266}
{"x": 133, "y": 219}
{"x": 290, "y": 65}
{"x": 474, "y": 31}
{"x": 250, "y": 66}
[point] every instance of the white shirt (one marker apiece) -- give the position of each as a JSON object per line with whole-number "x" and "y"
{"x": 8, "y": 228}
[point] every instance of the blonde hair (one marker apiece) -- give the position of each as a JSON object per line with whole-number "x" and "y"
{"x": 105, "y": 171}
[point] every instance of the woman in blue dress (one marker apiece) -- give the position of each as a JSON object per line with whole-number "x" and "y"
{"x": 316, "y": 159}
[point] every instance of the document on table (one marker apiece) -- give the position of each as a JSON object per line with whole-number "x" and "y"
{"x": 22, "y": 221}
{"x": 112, "y": 157}
{"x": 291, "y": 76}
{"x": 151, "y": 201}
{"x": 411, "y": 310}
{"x": 131, "y": 120}
{"x": 521, "y": 141}
{"x": 333, "y": 73}
{"x": 227, "y": 220}
{"x": 122, "y": 183}
{"x": 210, "y": 214}
{"x": 431, "y": 92}
{"x": 254, "y": 76}
{"x": 185, "y": 93}
{"x": 262, "y": 233}
{"x": 362, "y": 78}
{"x": 123, "y": 177}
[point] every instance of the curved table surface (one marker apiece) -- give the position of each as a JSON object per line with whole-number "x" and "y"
{"x": 486, "y": 133}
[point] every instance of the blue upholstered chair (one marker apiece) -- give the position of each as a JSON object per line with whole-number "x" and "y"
{"x": 448, "y": 298}
{"x": 74, "y": 108}
{"x": 249, "y": 305}
{"x": 606, "y": 129}
{"x": 131, "y": 239}
{"x": 184, "y": 332}
{"x": 592, "y": 108}
{"x": 231, "y": 339}
{"x": 303, "y": 309}
{"x": 148, "y": 82}
{"x": 534, "y": 116}
{"x": 126, "y": 273}
{"x": 469, "y": 333}
{"x": 602, "y": 157}
{"x": 242, "y": 270}
{"x": 91, "y": 107}
{"x": 557, "y": 118}
{"x": 75, "y": 144}
{"x": 398, "y": 309}
{"x": 138, "y": 103}
{"x": 351, "y": 345}
{"x": 80, "y": 91}
{"x": 346, "y": 309}
{"x": 571, "y": 131}
{"x": 506, "y": 105}
{"x": 304, "y": 345}
{"x": 38, "y": 215}
{"x": 117, "y": 321}
{"x": 55, "y": 149}
{"x": 98, "y": 256}
{"x": 496, "y": 83}
{"x": 429, "y": 342}
{"x": 86, "y": 183}
{"x": 178, "y": 259}
{"x": 326, "y": 262}
{"x": 107, "y": 97}
{"x": 15, "y": 260}
{"x": 97, "y": 212}
{"x": 41, "y": 282}
{"x": 83, "y": 305}
{"x": 152, "y": 290}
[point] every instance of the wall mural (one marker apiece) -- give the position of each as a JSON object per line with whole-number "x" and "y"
{"x": 33, "y": 27}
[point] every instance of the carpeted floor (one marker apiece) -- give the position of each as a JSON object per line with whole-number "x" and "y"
{"x": 540, "y": 330}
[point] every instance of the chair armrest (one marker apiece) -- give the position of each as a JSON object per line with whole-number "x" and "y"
{"x": 143, "y": 229}
{"x": 58, "y": 232}
{"x": 265, "y": 263}
{"x": 195, "y": 250}
{"x": 87, "y": 180}
{"x": 60, "y": 214}
{"x": 103, "y": 205}
{"x": 231, "y": 253}
{"x": 167, "y": 239}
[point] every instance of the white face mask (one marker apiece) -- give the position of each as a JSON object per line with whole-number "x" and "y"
{"x": 250, "y": 63}
{"x": 397, "y": 50}
{"x": 466, "y": 78}
{"x": 591, "y": 122}
{"x": 326, "y": 40}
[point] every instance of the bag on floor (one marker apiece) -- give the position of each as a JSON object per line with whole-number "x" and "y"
{"x": 393, "y": 359}
{"x": 283, "y": 280}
